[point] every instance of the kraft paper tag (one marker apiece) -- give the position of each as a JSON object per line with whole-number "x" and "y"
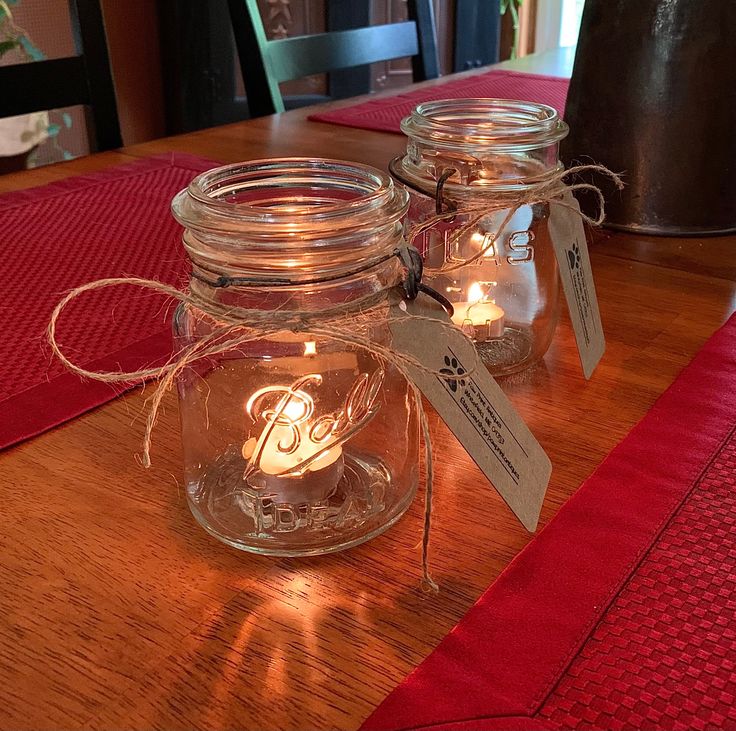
{"x": 568, "y": 239}
{"x": 473, "y": 405}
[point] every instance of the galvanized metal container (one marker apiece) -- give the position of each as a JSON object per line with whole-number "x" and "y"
{"x": 653, "y": 96}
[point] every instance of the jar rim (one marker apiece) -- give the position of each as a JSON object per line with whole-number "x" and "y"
{"x": 499, "y": 123}
{"x": 211, "y": 202}
{"x": 291, "y": 217}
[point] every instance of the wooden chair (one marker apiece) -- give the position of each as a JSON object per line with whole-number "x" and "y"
{"x": 266, "y": 63}
{"x": 63, "y": 82}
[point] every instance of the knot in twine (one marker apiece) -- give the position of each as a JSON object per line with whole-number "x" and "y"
{"x": 348, "y": 323}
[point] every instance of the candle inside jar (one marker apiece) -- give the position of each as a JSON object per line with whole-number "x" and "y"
{"x": 292, "y": 460}
{"x": 480, "y": 317}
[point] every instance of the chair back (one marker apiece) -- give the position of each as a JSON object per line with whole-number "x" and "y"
{"x": 266, "y": 63}
{"x": 63, "y": 82}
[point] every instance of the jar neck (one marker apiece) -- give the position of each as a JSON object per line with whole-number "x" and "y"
{"x": 315, "y": 297}
{"x": 493, "y": 145}
{"x": 290, "y": 220}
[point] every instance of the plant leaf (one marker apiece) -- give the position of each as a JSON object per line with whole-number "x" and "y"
{"x": 506, "y": 5}
{"x": 8, "y": 45}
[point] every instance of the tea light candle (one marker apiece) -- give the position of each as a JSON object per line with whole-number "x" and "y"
{"x": 480, "y": 318}
{"x": 293, "y": 459}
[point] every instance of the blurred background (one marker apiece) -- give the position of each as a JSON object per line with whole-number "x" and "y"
{"x": 175, "y": 65}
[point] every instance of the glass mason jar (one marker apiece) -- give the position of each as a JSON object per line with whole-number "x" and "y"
{"x": 294, "y": 443}
{"x": 487, "y": 153}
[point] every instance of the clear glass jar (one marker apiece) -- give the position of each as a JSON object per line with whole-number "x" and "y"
{"x": 294, "y": 443}
{"x": 491, "y": 151}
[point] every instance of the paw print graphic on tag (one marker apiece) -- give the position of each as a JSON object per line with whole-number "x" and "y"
{"x": 452, "y": 372}
{"x": 573, "y": 257}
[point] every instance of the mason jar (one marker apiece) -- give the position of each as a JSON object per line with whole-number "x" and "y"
{"x": 481, "y": 159}
{"x": 296, "y": 440}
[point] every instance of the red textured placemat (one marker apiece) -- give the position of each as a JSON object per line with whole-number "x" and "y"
{"x": 55, "y": 237}
{"x": 386, "y": 113}
{"x": 621, "y": 614}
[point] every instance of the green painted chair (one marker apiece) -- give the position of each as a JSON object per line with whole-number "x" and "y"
{"x": 266, "y": 63}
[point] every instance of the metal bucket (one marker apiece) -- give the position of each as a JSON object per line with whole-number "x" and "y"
{"x": 653, "y": 96}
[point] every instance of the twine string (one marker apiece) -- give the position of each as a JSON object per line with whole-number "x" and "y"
{"x": 489, "y": 202}
{"x": 346, "y": 323}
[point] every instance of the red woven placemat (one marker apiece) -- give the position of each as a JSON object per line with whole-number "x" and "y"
{"x": 621, "y": 614}
{"x": 56, "y": 237}
{"x": 386, "y": 113}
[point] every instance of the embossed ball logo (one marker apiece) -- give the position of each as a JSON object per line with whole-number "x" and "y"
{"x": 573, "y": 257}
{"x": 452, "y": 371}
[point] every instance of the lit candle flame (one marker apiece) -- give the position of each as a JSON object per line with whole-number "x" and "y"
{"x": 480, "y": 317}
{"x": 475, "y": 292}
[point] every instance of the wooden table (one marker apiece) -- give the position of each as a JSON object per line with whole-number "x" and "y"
{"x": 118, "y": 611}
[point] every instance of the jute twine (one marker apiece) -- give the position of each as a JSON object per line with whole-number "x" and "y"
{"x": 550, "y": 192}
{"x": 348, "y": 323}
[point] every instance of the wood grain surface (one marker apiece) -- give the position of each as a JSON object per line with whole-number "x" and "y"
{"x": 118, "y": 611}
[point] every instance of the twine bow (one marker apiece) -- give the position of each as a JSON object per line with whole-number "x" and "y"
{"x": 348, "y": 323}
